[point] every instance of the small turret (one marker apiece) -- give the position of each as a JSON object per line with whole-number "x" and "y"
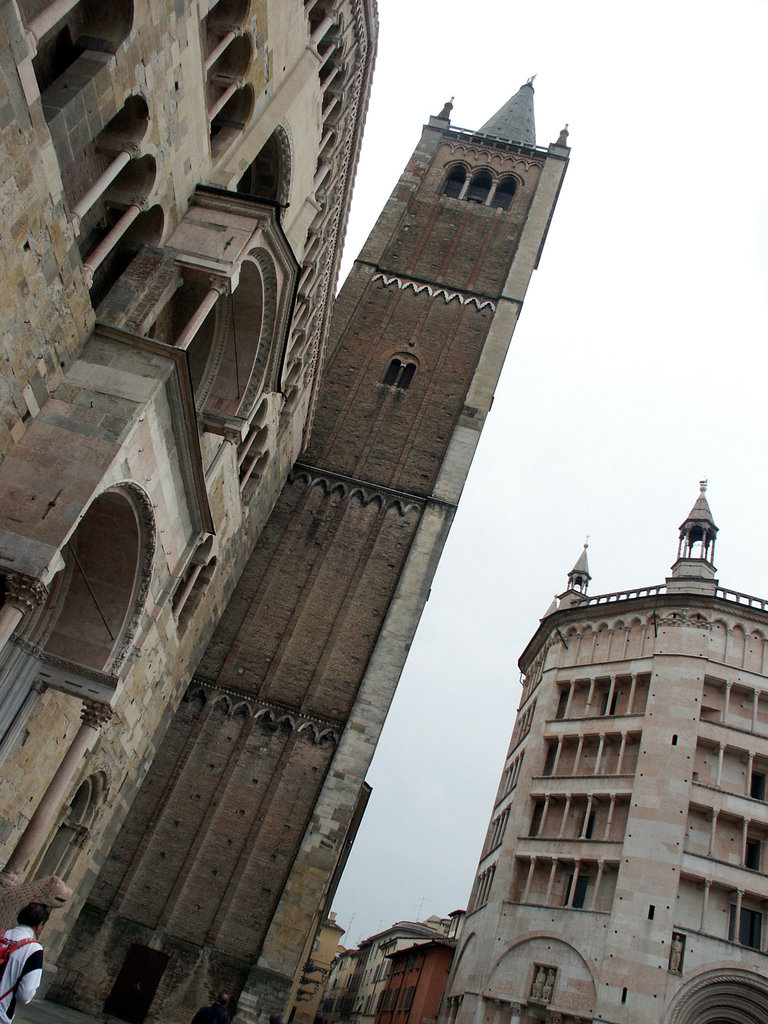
{"x": 694, "y": 569}
{"x": 578, "y": 581}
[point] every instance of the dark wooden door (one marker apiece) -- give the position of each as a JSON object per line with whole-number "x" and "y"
{"x": 136, "y": 984}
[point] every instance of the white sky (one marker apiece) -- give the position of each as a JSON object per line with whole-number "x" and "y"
{"x": 638, "y": 367}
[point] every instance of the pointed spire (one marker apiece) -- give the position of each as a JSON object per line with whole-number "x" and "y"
{"x": 578, "y": 577}
{"x": 514, "y": 121}
{"x": 552, "y": 608}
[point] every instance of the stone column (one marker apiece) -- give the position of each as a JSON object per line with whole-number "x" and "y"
{"x": 712, "y": 831}
{"x": 705, "y": 903}
{"x": 631, "y": 698}
{"x": 23, "y": 594}
{"x": 34, "y": 835}
{"x": 516, "y": 1013}
{"x": 720, "y": 752}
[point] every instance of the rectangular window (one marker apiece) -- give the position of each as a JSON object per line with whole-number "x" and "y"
{"x": 562, "y": 704}
{"x": 589, "y": 830}
{"x": 579, "y": 892}
{"x": 757, "y": 786}
{"x": 549, "y": 764}
{"x": 752, "y": 854}
{"x": 538, "y": 814}
{"x": 750, "y": 927}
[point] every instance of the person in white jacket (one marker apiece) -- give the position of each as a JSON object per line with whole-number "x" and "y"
{"x": 22, "y": 969}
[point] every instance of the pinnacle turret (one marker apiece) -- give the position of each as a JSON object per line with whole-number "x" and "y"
{"x": 514, "y": 122}
{"x": 696, "y": 545}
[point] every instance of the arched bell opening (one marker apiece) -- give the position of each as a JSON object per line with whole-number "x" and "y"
{"x": 268, "y": 176}
{"x": 146, "y": 229}
{"x": 244, "y": 353}
{"x": 91, "y": 25}
{"x": 234, "y": 61}
{"x": 128, "y": 126}
{"x": 454, "y": 182}
{"x": 231, "y": 119}
{"x": 76, "y": 828}
{"x": 479, "y": 187}
{"x": 95, "y": 601}
{"x": 220, "y": 19}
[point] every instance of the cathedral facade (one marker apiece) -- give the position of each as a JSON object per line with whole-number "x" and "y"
{"x": 222, "y": 512}
{"x": 623, "y": 876}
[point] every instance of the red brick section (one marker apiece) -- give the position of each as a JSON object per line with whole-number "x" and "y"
{"x": 416, "y": 983}
{"x": 206, "y": 849}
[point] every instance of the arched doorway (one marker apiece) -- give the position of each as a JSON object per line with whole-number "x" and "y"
{"x": 721, "y": 997}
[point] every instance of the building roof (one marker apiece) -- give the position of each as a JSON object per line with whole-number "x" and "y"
{"x": 514, "y": 122}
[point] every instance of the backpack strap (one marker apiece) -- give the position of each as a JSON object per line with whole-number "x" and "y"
{"x": 11, "y": 947}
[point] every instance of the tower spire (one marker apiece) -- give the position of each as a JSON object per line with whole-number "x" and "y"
{"x": 514, "y": 122}
{"x": 578, "y": 581}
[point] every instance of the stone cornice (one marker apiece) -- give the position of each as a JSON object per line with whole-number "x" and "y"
{"x": 464, "y": 298}
{"x": 653, "y": 600}
{"x": 405, "y": 501}
{"x": 277, "y": 714}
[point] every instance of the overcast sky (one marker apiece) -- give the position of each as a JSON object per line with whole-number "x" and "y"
{"x": 638, "y": 367}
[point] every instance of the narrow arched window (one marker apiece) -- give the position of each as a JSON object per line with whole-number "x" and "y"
{"x": 479, "y": 187}
{"x": 505, "y": 191}
{"x": 399, "y": 374}
{"x": 454, "y": 183}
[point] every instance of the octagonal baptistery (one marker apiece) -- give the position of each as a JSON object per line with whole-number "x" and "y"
{"x": 623, "y": 874}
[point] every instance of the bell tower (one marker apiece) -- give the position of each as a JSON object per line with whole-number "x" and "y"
{"x": 232, "y": 848}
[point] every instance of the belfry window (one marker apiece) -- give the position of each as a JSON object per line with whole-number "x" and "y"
{"x": 399, "y": 374}
{"x": 480, "y": 187}
{"x": 454, "y": 183}
{"x": 504, "y": 193}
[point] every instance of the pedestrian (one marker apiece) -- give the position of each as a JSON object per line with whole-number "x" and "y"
{"x": 216, "y": 1013}
{"x": 21, "y": 959}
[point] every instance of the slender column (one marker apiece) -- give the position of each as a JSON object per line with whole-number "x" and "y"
{"x": 585, "y": 823}
{"x": 217, "y": 51}
{"x": 557, "y": 755}
{"x": 322, "y": 173}
{"x": 590, "y": 696}
{"x": 34, "y": 835}
{"x": 187, "y": 336}
{"x": 322, "y": 29}
{"x": 574, "y": 880}
{"x": 744, "y": 834}
{"x": 609, "y": 821}
{"x": 225, "y": 97}
{"x": 99, "y": 187}
{"x": 598, "y": 882}
{"x": 750, "y": 766}
{"x": 755, "y": 704}
{"x": 543, "y": 821}
{"x": 569, "y": 701}
{"x": 46, "y": 20}
{"x": 564, "y": 819}
{"x": 611, "y": 691}
{"x": 705, "y": 903}
{"x": 712, "y": 831}
{"x": 491, "y": 194}
{"x": 187, "y": 589}
{"x": 598, "y": 759}
{"x": 551, "y": 882}
{"x": 529, "y": 879}
{"x": 109, "y": 241}
{"x": 720, "y": 751}
{"x": 631, "y": 699}
{"x": 577, "y": 759}
{"x": 726, "y": 703}
{"x": 622, "y": 746}
{"x": 737, "y": 922}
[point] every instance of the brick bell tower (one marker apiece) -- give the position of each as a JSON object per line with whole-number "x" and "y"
{"x": 232, "y": 847}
